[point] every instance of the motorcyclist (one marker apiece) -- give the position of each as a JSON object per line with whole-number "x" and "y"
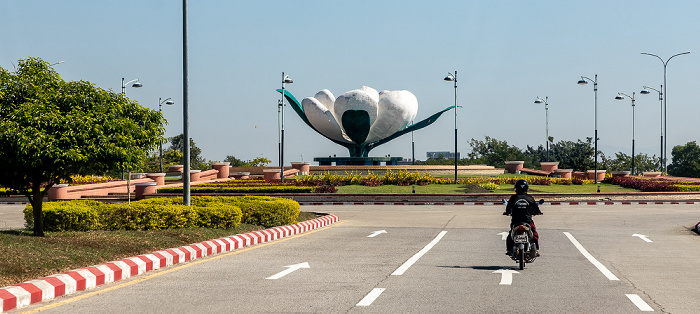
{"x": 521, "y": 207}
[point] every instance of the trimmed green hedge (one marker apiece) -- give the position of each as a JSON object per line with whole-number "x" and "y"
{"x": 242, "y": 189}
{"x": 166, "y": 213}
{"x": 687, "y": 188}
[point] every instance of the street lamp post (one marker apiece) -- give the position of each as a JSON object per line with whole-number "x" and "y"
{"x": 620, "y": 97}
{"x": 168, "y": 102}
{"x": 453, "y": 78}
{"x": 136, "y": 84}
{"x": 280, "y": 109}
{"x": 661, "y": 100}
{"x": 539, "y": 100}
{"x": 665, "y": 63}
{"x": 583, "y": 81}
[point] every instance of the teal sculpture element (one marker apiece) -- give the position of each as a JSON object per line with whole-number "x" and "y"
{"x": 361, "y": 119}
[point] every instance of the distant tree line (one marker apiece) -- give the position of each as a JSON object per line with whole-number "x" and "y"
{"x": 578, "y": 155}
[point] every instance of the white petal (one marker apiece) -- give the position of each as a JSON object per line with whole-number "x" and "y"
{"x": 396, "y": 111}
{"x": 326, "y": 98}
{"x": 322, "y": 119}
{"x": 356, "y": 100}
{"x": 371, "y": 91}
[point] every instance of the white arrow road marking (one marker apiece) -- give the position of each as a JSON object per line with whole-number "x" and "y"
{"x": 370, "y": 297}
{"x": 506, "y": 276}
{"x": 403, "y": 268}
{"x": 504, "y": 235}
{"x": 643, "y": 306}
{"x": 643, "y": 237}
{"x": 289, "y": 270}
{"x": 376, "y": 233}
{"x": 590, "y": 257}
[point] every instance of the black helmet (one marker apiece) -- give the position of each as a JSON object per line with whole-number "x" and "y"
{"x": 521, "y": 186}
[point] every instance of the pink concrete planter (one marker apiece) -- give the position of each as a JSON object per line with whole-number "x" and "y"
{"x": 144, "y": 188}
{"x": 195, "y": 175}
{"x": 272, "y": 174}
{"x": 549, "y": 166}
{"x": 58, "y": 192}
{"x": 303, "y": 167}
{"x": 651, "y": 174}
{"x": 176, "y": 168}
{"x": 514, "y": 166}
{"x": 223, "y": 168}
{"x": 563, "y": 173}
{"x": 590, "y": 174}
{"x": 240, "y": 175}
{"x": 620, "y": 174}
{"x": 159, "y": 178}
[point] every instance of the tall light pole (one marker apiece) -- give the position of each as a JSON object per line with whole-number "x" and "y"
{"x": 185, "y": 112}
{"x": 168, "y": 102}
{"x": 665, "y": 63}
{"x": 136, "y": 84}
{"x": 620, "y": 97}
{"x": 645, "y": 91}
{"x": 413, "y": 148}
{"x": 280, "y": 109}
{"x": 583, "y": 81}
{"x": 453, "y": 78}
{"x": 539, "y": 100}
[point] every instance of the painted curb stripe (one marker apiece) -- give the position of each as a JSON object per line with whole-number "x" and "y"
{"x": 499, "y": 203}
{"x": 51, "y": 287}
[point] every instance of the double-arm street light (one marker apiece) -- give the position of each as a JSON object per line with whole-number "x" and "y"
{"x": 583, "y": 81}
{"x": 646, "y": 91}
{"x": 280, "y": 110}
{"x": 453, "y": 78}
{"x": 168, "y": 102}
{"x": 665, "y": 63}
{"x": 539, "y": 100}
{"x": 621, "y": 96}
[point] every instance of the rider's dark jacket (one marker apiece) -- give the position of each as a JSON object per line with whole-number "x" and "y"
{"x": 521, "y": 207}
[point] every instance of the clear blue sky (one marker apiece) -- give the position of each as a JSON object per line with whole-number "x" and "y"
{"x": 506, "y": 53}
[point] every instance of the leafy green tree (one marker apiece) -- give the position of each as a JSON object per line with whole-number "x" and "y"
{"x": 196, "y": 160}
{"x": 234, "y": 162}
{"x": 623, "y": 162}
{"x": 685, "y": 160}
{"x": 257, "y": 162}
{"x": 577, "y": 155}
{"x": 495, "y": 153}
{"x": 51, "y": 129}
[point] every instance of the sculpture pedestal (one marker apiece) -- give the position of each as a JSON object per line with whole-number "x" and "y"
{"x": 358, "y": 161}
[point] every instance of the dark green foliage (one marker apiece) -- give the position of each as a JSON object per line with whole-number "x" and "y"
{"x": 685, "y": 160}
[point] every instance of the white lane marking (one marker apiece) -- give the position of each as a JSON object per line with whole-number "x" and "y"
{"x": 590, "y": 257}
{"x": 370, "y": 297}
{"x": 403, "y": 268}
{"x": 376, "y": 233}
{"x": 289, "y": 270}
{"x": 506, "y": 276}
{"x": 504, "y": 235}
{"x": 637, "y": 300}
{"x": 643, "y": 237}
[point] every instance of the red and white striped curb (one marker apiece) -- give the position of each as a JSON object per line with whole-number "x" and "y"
{"x": 500, "y": 203}
{"x": 51, "y": 287}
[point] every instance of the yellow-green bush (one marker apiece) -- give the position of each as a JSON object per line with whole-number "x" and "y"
{"x": 266, "y": 211}
{"x": 148, "y": 216}
{"x": 489, "y": 186}
{"x": 80, "y": 215}
{"x": 687, "y": 188}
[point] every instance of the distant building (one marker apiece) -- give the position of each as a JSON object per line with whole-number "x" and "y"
{"x": 442, "y": 155}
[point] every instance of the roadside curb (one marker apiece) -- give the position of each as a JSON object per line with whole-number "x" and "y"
{"x": 51, "y": 287}
{"x": 501, "y": 204}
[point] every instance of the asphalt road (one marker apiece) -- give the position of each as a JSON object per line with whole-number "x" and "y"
{"x": 434, "y": 259}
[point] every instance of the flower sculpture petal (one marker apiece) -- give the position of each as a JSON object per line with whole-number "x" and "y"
{"x": 363, "y": 118}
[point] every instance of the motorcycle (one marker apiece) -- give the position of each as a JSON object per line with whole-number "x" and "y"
{"x": 524, "y": 249}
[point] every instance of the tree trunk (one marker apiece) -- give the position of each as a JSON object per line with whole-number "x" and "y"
{"x": 37, "y": 199}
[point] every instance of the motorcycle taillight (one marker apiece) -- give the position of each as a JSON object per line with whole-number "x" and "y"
{"x": 521, "y": 229}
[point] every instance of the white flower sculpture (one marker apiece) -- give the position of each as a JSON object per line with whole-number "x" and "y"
{"x": 361, "y": 119}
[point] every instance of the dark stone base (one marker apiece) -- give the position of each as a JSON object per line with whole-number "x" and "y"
{"x": 357, "y": 161}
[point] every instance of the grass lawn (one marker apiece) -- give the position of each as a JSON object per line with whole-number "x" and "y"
{"x": 24, "y": 257}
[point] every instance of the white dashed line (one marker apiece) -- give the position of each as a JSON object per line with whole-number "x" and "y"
{"x": 399, "y": 271}
{"x": 370, "y": 297}
{"x": 643, "y": 306}
{"x": 590, "y": 257}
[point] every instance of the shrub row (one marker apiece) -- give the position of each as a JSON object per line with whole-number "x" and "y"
{"x": 241, "y": 189}
{"x": 643, "y": 185}
{"x": 166, "y": 213}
